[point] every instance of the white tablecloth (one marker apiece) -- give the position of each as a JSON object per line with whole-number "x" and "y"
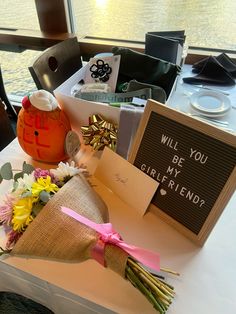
{"x": 180, "y": 98}
{"x": 207, "y": 281}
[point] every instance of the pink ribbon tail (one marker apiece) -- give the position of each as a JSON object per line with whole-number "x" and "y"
{"x": 108, "y": 235}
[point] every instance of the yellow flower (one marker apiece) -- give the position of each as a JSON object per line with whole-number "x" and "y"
{"x": 44, "y": 184}
{"x": 22, "y": 213}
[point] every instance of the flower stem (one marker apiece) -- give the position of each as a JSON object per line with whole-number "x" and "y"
{"x": 160, "y": 283}
{"x": 166, "y": 270}
{"x": 138, "y": 284}
{"x": 156, "y": 291}
{"x": 2, "y": 251}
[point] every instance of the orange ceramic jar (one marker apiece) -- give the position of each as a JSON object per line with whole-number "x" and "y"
{"x": 42, "y": 134}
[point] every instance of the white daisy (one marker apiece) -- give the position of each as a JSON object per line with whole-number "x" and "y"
{"x": 65, "y": 170}
{"x": 24, "y": 184}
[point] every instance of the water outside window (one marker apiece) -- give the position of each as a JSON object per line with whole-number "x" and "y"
{"x": 18, "y": 14}
{"x": 207, "y": 23}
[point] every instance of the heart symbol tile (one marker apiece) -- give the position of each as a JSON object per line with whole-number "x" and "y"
{"x": 163, "y": 192}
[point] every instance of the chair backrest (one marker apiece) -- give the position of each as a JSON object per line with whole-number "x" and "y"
{"x": 4, "y": 98}
{"x": 6, "y": 131}
{"x": 56, "y": 64}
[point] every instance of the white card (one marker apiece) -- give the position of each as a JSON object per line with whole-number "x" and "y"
{"x": 103, "y": 67}
{"x": 125, "y": 180}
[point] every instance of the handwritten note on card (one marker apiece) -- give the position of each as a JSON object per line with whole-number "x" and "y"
{"x": 126, "y": 181}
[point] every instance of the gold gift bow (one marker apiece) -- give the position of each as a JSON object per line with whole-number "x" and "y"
{"x": 99, "y": 133}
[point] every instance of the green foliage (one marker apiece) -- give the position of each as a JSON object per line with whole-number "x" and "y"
{"x": 15, "y": 185}
{"x": 44, "y": 196}
{"x": 18, "y": 175}
{"x": 37, "y": 208}
{"x": 6, "y": 171}
{"x": 27, "y": 168}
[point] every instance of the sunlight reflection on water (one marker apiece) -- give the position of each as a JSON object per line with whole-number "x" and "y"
{"x": 207, "y": 23}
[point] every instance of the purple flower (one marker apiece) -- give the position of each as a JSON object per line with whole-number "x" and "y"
{"x": 41, "y": 173}
{"x": 6, "y": 210}
{"x": 13, "y": 237}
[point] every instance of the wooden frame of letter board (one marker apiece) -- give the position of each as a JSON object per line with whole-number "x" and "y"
{"x": 215, "y": 136}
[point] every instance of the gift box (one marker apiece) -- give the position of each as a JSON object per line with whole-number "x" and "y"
{"x": 80, "y": 110}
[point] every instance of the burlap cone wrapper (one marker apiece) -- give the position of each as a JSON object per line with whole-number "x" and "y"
{"x": 54, "y": 235}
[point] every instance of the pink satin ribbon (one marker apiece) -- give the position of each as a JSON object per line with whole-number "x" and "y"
{"x": 108, "y": 235}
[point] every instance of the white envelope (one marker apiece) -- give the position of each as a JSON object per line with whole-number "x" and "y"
{"x": 128, "y": 182}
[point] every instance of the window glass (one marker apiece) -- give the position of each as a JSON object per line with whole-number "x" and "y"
{"x": 16, "y": 76}
{"x": 208, "y": 23}
{"x": 18, "y": 14}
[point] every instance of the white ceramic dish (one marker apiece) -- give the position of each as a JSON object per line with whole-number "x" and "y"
{"x": 210, "y": 103}
{"x": 188, "y": 108}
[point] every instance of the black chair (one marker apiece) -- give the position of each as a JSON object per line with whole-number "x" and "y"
{"x": 56, "y": 64}
{"x": 4, "y": 98}
{"x": 14, "y": 303}
{"x": 6, "y": 131}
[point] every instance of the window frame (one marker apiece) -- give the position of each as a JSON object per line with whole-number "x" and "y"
{"x": 56, "y": 24}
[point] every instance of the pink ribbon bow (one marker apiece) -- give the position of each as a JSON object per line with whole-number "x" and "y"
{"x": 108, "y": 235}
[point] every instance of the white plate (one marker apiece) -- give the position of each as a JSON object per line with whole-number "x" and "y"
{"x": 210, "y": 103}
{"x": 186, "y": 107}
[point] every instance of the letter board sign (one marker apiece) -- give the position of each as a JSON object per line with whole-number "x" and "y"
{"x": 194, "y": 163}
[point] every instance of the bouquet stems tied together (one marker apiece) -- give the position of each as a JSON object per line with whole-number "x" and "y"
{"x": 157, "y": 291}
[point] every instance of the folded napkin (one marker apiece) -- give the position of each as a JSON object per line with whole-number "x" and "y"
{"x": 145, "y": 69}
{"x": 157, "y": 93}
{"x": 225, "y": 61}
{"x": 211, "y": 72}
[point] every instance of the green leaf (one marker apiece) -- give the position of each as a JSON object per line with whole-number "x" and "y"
{"x": 44, "y": 196}
{"x": 2, "y": 251}
{"x": 37, "y": 208}
{"x": 15, "y": 186}
{"x": 27, "y": 168}
{"x": 6, "y": 171}
{"x": 1, "y": 178}
{"x": 18, "y": 175}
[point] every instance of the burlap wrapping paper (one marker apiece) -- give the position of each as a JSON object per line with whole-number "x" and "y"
{"x": 54, "y": 235}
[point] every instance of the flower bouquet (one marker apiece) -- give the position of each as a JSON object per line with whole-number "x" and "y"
{"x": 59, "y": 200}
